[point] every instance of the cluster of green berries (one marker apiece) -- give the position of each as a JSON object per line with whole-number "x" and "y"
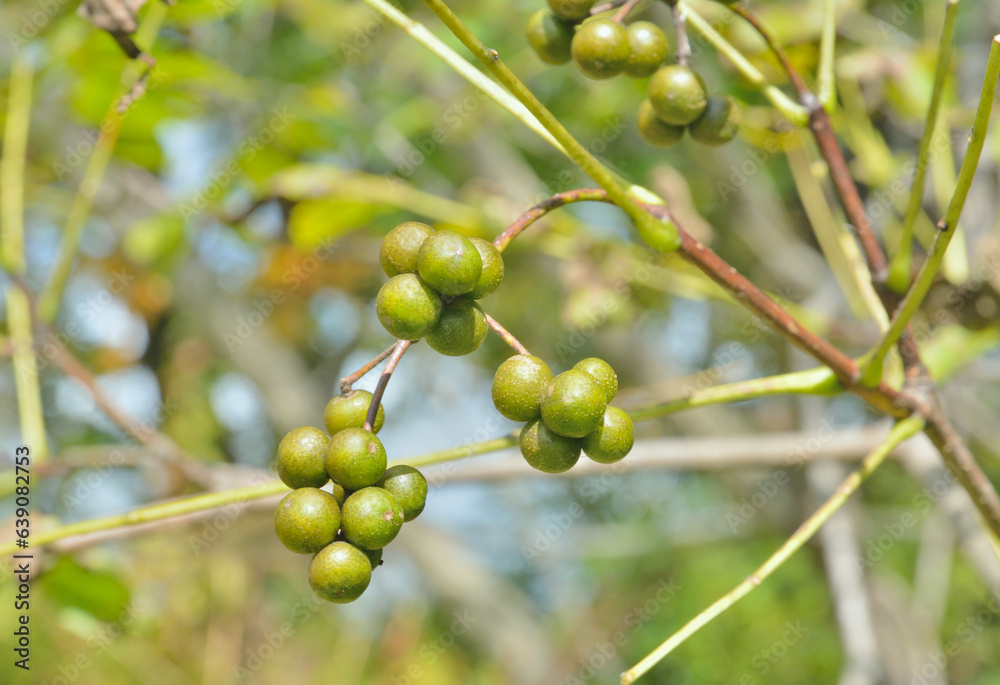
{"x": 602, "y": 48}
{"x": 565, "y": 414}
{"x": 345, "y": 530}
{"x": 435, "y": 278}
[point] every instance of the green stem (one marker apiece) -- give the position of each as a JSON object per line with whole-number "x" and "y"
{"x": 29, "y": 396}
{"x": 826, "y": 82}
{"x": 83, "y": 201}
{"x": 899, "y": 268}
{"x": 818, "y": 381}
{"x": 660, "y": 234}
{"x": 791, "y": 110}
{"x": 15, "y": 146}
{"x": 947, "y": 226}
{"x": 900, "y": 432}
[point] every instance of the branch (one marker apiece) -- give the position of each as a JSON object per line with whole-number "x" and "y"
{"x": 683, "y": 44}
{"x": 544, "y": 207}
{"x": 505, "y": 335}
{"x": 826, "y": 84}
{"x": 347, "y": 382}
{"x": 398, "y": 350}
{"x": 900, "y": 432}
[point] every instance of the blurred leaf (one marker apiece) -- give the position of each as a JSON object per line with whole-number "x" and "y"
{"x": 98, "y": 593}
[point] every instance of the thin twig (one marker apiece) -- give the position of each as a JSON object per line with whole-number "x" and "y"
{"x": 398, "y": 350}
{"x": 506, "y": 335}
{"x": 624, "y": 11}
{"x": 683, "y": 44}
{"x": 900, "y": 432}
{"x": 347, "y": 382}
{"x": 606, "y": 7}
{"x": 826, "y": 84}
{"x": 544, "y": 207}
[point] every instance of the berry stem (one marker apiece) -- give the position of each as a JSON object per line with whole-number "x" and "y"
{"x": 683, "y": 44}
{"x": 606, "y": 7}
{"x": 397, "y": 353}
{"x": 544, "y": 207}
{"x": 347, "y": 382}
{"x": 900, "y": 432}
{"x": 624, "y": 11}
{"x": 506, "y": 335}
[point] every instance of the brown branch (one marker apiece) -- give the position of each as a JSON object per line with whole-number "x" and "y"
{"x": 398, "y": 350}
{"x": 347, "y": 382}
{"x": 544, "y": 207}
{"x": 623, "y": 12}
{"x": 505, "y": 335}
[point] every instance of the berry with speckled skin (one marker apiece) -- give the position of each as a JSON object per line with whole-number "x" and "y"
{"x": 573, "y": 404}
{"x": 350, "y": 411}
{"x": 549, "y": 35}
{"x": 409, "y": 488}
{"x": 449, "y": 263}
{"x": 407, "y": 307}
{"x": 398, "y": 252}
{"x": 600, "y": 48}
{"x": 648, "y": 48}
{"x": 719, "y": 123}
{"x": 518, "y": 387}
{"x": 460, "y": 330}
{"x": 300, "y": 459}
{"x": 340, "y": 573}
{"x": 307, "y": 520}
{"x": 571, "y": 9}
{"x": 612, "y": 440}
{"x": 355, "y": 458}
{"x": 677, "y": 94}
{"x": 371, "y": 518}
{"x": 548, "y": 451}
{"x": 493, "y": 269}
{"x": 655, "y": 130}
{"x": 600, "y": 371}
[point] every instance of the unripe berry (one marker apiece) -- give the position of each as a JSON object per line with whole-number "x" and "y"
{"x": 648, "y": 48}
{"x": 407, "y": 307}
{"x": 355, "y": 458}
{"x": 549, "y": 36}
{"x": 449, "y": 263}
{"x": 300, "y": 459}
{"x": 719, "y": 123}
{"x": 573, "y": 404}
{"x": 408, "y": 487}
{"x": 655, "y": 130}
{"x": 340, "y": 573}
{"x": 493, "y": 269}
{"x": 518, "y": 387}
{"x": 548, "y": 451}
{"x": 371, "y": 518}
{"x": 600, "y": 48}
{"x": 350, "y": 411}
{"x": 678, "y": 94}
{"x": 612, "y": 440}
{"x": 571, "y": 9}
{"x": 307, "y": 520}
{"x": 600, "y": 371}
{"x": 398, "y": 252}
{"x": 460, "y": 329}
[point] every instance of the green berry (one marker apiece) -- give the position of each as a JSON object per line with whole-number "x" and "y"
{"x": 340, "y": 494}
{"x": 340, "y": 573}
{"x": 407, "y": 307}
{"x": 648, "y": 48}
{"x": 600, "y": 371}
{"x": 300, "y": 458}
{"x": 374, "y": 557}
{"x": 549, "y": 35}
{"x": 355, "y": 458}
{"x": 460, "y": 330}
{"x": 571, "y": 9}
{"x": 518, "y": 387}
{"x": 307, "y": 520}
{"x": 449, "y": 263}
{"x": 492, "y": 273}
{"x": 655, "y": 130}
{"x": 678, "y": 94}
{"x": 350, "y": 411}
{"x": 548, "y": 451}
{"x": 600, "y": 48}
{"x": 398, "y": 253}
{"x": 371, "y": 518}
{"x": 612, "y": 440}
{"x": 719, "y": 122}
{"x": 573, "y": 404}
{"x": 409, "y": 488}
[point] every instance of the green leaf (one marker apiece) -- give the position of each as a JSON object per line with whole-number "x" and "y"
{"x": 98, "y": 593}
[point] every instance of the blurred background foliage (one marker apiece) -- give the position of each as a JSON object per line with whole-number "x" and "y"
{"x": 225, "y": 280}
